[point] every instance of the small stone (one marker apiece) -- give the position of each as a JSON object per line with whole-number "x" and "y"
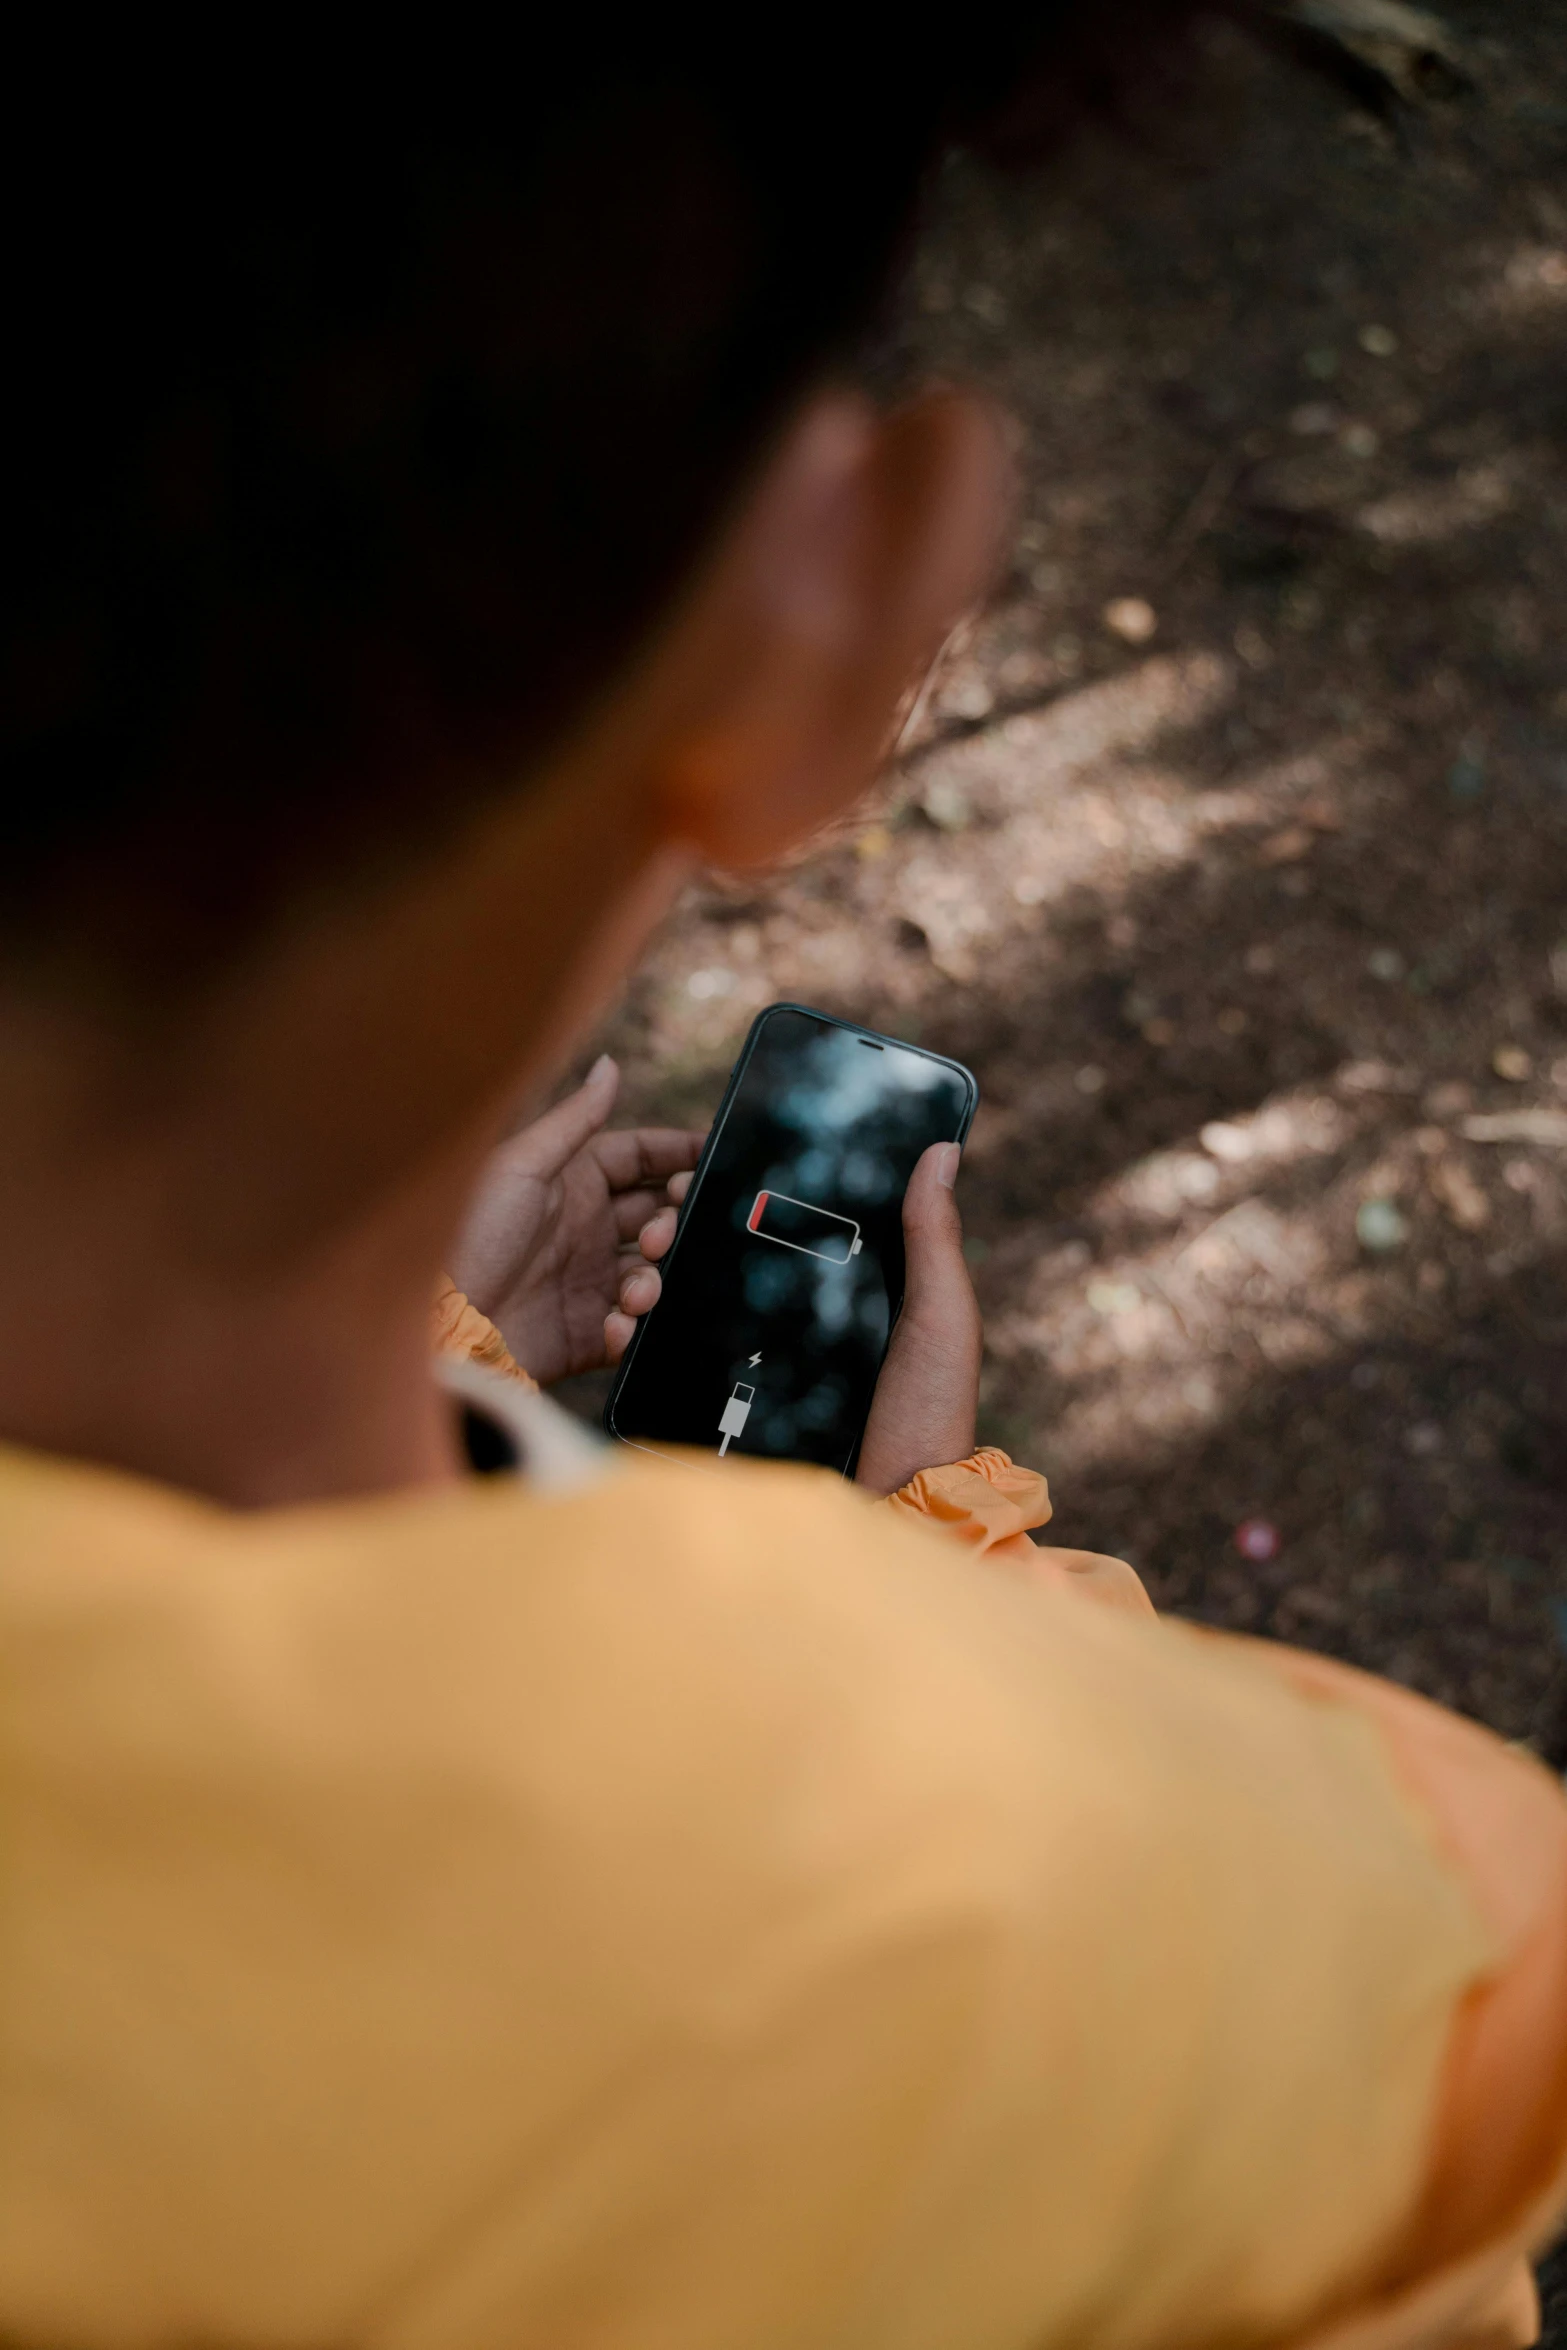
{"x": 1360, "y": 440}
{"x": 1283, "y": 848}
{"x": 1257, "y": 1539}
{"x": 1090, "y": 1080}
{"x": 1231, "y": 1021}
{"x": 1321, "y": 363}
{"x": 706, "y": 985}
{"x": 1030, "y": 890}
{"x": 1314, "y": 419}
{"x": 1159, "y": 1031}
{"x": 1114, "y": 1297}
{"x": 1320, "y": 1607}
{"x": 1131, "y": 618}
{"x": 873, "y": 842}
{"x": 1423, "y": 1440}
{"x": 1379, "y": 342}
{"x": 1222, "y": 1139}
{"x": 1380, "y": 1225}
{"x": 1466, "y": 776}
{"x": 1385, "y": 963}
{"x": 967, "y": 697}
{"x": 946, "y": 806}
{"x": 1512, "y": 1063}
{"x": 1260, "y": 961}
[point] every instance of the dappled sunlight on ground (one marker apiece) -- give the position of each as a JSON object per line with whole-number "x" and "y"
{"x": 1228, "y": 846}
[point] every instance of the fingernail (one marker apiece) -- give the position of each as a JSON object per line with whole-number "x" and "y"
{"x": 947, "y": 1165}
{"x": 601, "y": 1067}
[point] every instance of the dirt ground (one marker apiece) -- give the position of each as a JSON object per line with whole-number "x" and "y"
{"x": 1228, "y": 850}
{"x": 1245, "y": 904}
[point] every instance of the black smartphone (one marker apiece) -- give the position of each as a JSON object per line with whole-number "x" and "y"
{"x": 786, "y": 1272}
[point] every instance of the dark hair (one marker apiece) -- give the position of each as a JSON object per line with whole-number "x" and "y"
{"x": 354, "y": 440}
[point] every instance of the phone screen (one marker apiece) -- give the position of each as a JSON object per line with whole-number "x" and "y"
{"x": 786, "y": 1274}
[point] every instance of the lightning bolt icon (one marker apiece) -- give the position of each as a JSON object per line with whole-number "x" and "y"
{"x": 755, "y": 1359}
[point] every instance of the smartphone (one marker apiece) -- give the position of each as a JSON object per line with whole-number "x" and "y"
{"x": 786, "y": 1272}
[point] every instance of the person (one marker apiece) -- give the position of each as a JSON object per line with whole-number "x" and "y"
{"x": 601, "y": 1901}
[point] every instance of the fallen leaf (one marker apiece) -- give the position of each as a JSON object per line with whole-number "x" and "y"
{"x": 1547, "y": 1127}
{"x": 1286, "y": 846}
{"x": 1456, "y": 1191}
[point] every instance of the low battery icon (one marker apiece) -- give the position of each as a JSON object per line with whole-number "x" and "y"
{"x": 795, "y": 1223}
{"x": 735, "y": 1415}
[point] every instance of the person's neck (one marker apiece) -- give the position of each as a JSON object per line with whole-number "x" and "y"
{"x": 255, "y": 1381}
{"x": 319, "y": 1386}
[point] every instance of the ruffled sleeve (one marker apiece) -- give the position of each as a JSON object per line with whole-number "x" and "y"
{"x": 460, "y": 1330}
{"x": 989, "y": 1504}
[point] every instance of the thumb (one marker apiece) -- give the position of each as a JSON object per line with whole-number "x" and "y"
{"x": 924, "y": 1406}
{"x": 937, "y": 1288}
{"x": 544, "y": 1147}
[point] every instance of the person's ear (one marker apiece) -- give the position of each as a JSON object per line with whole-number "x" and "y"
{"x": 867, "y": 538}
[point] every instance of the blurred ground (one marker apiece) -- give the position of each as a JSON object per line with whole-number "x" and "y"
{"x": 1245, "y": 903}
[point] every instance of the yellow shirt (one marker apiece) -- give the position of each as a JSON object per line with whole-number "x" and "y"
{"x": 679, "y": 1911}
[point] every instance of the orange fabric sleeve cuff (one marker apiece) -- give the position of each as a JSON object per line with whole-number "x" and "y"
{"x": 459, "y": 1329}
{"x": 986, "y": 1502}
{"x": 989, "y": 1504}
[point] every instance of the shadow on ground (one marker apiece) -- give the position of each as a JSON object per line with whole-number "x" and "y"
{"x": 1228, "y": 849}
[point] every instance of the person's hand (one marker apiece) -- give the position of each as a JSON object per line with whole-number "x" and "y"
{"x": 928, "y": 1394}
{"x": 549, "y": 1251}
{"x": 642, "y": 1284}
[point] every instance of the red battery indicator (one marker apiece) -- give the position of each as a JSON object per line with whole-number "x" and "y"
{"x": 796, "y": 1224}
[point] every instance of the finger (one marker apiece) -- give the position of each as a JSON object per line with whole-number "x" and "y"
{"x": 679, "y": 1185}
{"x": 544, "y": 1147}
{"x": 639, "y": 1290}
{"x": 657, "y": 1233}
{"x": 636, "y": 1155}
{"x": 631, "y": 1210}
{"x": 618, "y": 1330}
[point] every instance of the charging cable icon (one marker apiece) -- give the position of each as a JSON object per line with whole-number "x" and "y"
{"x": 736, "y": 1413}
